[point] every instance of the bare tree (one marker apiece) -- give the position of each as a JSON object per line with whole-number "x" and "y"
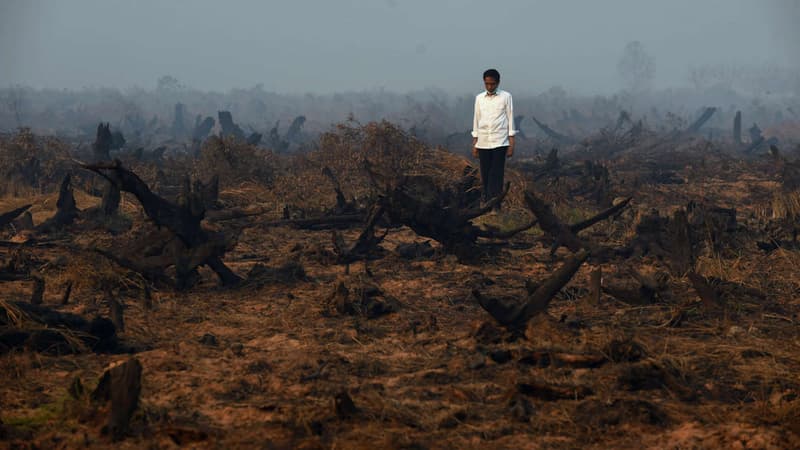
{"x": 636, "y": 67}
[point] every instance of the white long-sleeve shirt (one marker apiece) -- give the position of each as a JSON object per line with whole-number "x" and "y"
{"x": 493, "y": 121}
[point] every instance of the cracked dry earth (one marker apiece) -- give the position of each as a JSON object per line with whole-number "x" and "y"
{"x": 275, "y": 366}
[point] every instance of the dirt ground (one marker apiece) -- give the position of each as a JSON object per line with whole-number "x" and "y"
{"x": 273, "y": 365}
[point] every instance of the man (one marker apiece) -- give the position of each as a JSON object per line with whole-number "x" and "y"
{"x": 493, "y": 134}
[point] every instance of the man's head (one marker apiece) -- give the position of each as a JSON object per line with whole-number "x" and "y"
{"x": 491, "y": 79}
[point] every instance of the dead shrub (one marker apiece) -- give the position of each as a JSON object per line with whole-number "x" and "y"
{"x": 30, "y": 164}
{"x": 235, "y": 161}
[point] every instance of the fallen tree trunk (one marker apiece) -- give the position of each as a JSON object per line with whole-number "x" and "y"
{"x": 600, "y": 216}
{"x": 517, "y": 316}
{"x": 51, "y": 328}
{"x": 704, "y": 117}
{"x": 8, "y": 217}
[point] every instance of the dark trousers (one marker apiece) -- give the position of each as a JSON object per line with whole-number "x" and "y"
{"x": 493, "y": 163}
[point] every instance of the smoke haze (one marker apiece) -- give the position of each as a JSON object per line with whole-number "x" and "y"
{"x": 397, "y": 45}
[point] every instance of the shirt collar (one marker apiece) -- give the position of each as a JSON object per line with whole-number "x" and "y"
{"x": 496, "y": 93}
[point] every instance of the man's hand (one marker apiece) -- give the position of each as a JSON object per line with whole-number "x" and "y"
{"x": 510, "y": 151}
{"x": 474, "y": 148}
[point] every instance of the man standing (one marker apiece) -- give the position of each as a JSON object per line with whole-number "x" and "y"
{"x": 493, "y": 134}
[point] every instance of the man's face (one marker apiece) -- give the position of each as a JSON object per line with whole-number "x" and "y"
{"x": 491, "y": 84}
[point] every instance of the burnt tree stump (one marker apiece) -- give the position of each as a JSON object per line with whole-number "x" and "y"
{"x": 66, "y": 212}
{"x": 121, "y": 385}
{"x": 102, "y": 143}
{"x": 229, "y": 127}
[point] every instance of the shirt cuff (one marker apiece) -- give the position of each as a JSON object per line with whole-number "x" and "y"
{"x": 474, "y": 134}
{"x": 512, "y": 133}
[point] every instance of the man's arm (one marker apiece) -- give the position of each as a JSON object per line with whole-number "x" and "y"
{"x": 512, "y": 132}
{"x": 476, "y": 116}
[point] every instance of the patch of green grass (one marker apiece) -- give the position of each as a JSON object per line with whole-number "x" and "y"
{"x": 37, "y": 418}
{"x": 571, "y": 215}
{"x": 507, "y": 221}
{"x": 57, "y": 412}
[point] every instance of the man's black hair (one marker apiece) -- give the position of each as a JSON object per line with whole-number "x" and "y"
{"x": 492, "y": 73}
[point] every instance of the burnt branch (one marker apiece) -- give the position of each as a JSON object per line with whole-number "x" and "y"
{"x": 366, "y": 243}
{"x": 600, "y": 216}
{"x": 477, "y": 212}
{"x": 517, "y": 316}
{"x": 8, "y": 217}
{"x": 551, "y": 224}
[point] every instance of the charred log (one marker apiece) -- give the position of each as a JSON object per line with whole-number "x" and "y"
{"x": 704, "y": 117}
{"x": 8, "y": 217}
{"x": 23, "y": 222}
{"x": 517, "y": 315}
{"x": 97, "y": 334}
{"x": 600, "y": 216}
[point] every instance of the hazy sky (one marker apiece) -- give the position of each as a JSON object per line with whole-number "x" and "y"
{"x": 325, "y": 46}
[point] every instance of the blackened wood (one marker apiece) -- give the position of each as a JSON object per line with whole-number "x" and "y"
{"x": 7, "y": 217}
{"x": 551, "y": 224}
{"x": 122, "y": 386}
{"x": 595, "y": 285}
{"x": 600, "y": 216}
{"x": 518, "y": 315}
{"x": 66, "y": 209}
{"x": 704, "y": 117}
